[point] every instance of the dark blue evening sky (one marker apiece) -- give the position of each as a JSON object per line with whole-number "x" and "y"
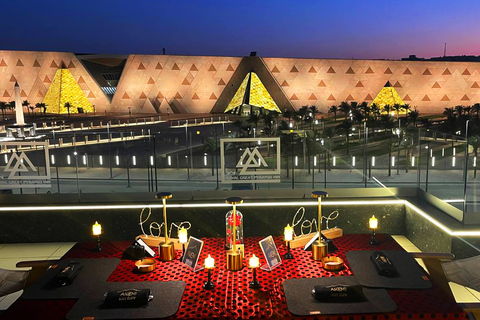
{"x": 278, "y": 28}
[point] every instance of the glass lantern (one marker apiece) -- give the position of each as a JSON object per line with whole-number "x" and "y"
{"x": 229, "y": 229}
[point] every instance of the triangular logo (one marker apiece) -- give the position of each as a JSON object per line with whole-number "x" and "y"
{"x": 426, "y": 98}
{"x": 294, "y": 69}
{"x": 151, "y": 81}
{"x": 193, "y": 67}
{"x": 230, "y": 68}
{"x": 359, "y": 84}
{"x": 36, "y": 64}
{"x": 175, "y": 67}
{"x": 284, "y": 83}
{"x": 388, "y": 71}
{"x": 141, "y": 66}
{"x": 475, "y": 85}
{"x": 321, "y": 84}
{"x": 312, "y": 97}
{"x": 350, "y": 97}
{"x": 195, "y": 97}
{"x": 312, "y": 70}
{"x": 436, "y": 85}
{"x": 252, "y": 92}
{"x": 212, "y": 68}
{"x": 275, "y": 70}
{"x": 368, "y": 97}
{"x": 465, "y": 98}
{"x": 369, "y": 71}
{"x": 331, "y": 97}
{"x": 466, "y": 73}
{"x": 221, "y": 82}
{"x": 126, "y": 96}
{"x": 19, "y": 63}
{"x": 446, "y": 72}
{"x": 294, "y": 97}
{"x": 254, "y": 160}
{"x": 331, "y": 70}
{"x": 65, "y": 89}
{"x": 19, "y": 165}
{"x": 213, "y": 96}
{"x": 445, "y": 98}
{"x": 407, "y": 71}
{"x": 350, "y": 71}
{"x": 3, "y": 63}
{"x": 426, "y": 72}
{"x": 158, "y": 66}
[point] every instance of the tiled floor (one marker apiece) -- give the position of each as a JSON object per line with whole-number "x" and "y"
{"x": 10, "y": 254}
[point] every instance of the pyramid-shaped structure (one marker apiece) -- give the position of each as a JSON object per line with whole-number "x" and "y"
{"x": 252, "y": 92}
{"x": 65, "y": 89}
{"x": 387, "y": 96}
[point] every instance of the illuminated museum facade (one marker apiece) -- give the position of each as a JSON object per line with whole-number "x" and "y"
{"x": 203, "y": 84}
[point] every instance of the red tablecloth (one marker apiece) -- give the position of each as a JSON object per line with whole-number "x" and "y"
{"x": 233, "y": 299}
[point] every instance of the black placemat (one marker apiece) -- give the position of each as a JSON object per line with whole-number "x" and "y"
{"x": 300, "y": 302}
{"x": 412, "y": 276}
{"x": 167, "y": 296}
{"x": 93, "y": 272}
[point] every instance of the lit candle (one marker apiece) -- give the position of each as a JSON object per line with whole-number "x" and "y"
{"x": 373, "y": 222}
{"x": 288, "y": 233}
{"x": 254, "y": 262}
{"x": 209, "y": 262}
{"x": 97, "y": 229}
{"x": 182, "y": 235}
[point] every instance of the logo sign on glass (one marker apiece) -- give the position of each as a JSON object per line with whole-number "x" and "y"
{"x": 250, "y": 160}
{"x": 26, "y": 165}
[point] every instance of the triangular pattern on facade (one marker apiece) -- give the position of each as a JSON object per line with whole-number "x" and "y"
{"x": 350, "y": 71}
{"x": 312, "y": 70}
{"x": 369, "y": 71}
{"x": 252, "y": 92}
{"x": 65, "y": 89}
{"x": 331, "y": 70}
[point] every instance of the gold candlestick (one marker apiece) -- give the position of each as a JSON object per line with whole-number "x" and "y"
{"x": 166, "y": 249}
{"x": 319, "y": 247}
{"x": 234, "y": 258}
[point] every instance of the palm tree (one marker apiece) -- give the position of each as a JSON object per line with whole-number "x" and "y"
{"x": 474, "y": 141}
{"x": 328, "y": 144}
{"x": 346, "y": 126}
{"x": 408, "y": 144}
{"x": 397, "y": 108}
{"x": 287, "y": 114}
{"x": 476, "y": 109}
{"x": 459, "y": 110}
{"x": 25, "y": 103}
{"x": 68, "y": 106}
{"x": 413, "y": 116}
{"x": 449, "y": 112}
{"x": 425, "y": 122}
{"x": 42, "y": 106}
{"x": 211, "y": 145}
{"x": 314, "y": 110}
{"x": 365, "y": 109}
{"x": 33, "y": 109}
{"x": 345, "y": 108}
{"x": 387, "y": 108}
{"x": 3, "y": 107}
{"x": 334, "y": 110}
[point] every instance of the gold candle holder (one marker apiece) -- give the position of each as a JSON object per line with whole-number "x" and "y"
{"x": 234, "y": 258}
{"x": 319, "y": 247}
{"x": 166, "y": 249}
